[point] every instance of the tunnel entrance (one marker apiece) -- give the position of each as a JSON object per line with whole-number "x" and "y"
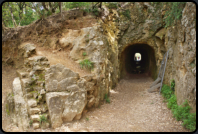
{"x": 133, "y": 66}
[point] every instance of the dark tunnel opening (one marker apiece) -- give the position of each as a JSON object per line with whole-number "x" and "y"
{"x": 130, "y": 65}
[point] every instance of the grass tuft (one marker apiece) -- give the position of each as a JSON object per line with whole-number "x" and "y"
{"x": 181, "y": 112}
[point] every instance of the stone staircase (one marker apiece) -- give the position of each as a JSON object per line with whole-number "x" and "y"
{"x": 46, "y": 96}
{"x": 33, "y": 88}
{"x": 30, "y": 85}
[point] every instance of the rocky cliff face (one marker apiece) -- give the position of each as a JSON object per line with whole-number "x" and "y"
{"x": 146, "y": 27}
{"x": 181, "y": 66}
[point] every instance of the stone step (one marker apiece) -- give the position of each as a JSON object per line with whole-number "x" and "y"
{"x": 154, "y": 88}
{"x": 28, "y": 95}
{"x": 35, "y": 117}
{"x": 32, "y": 103}
{"x": 155, "y": 82}
{"x": 34, "y": 110}
{"x": 22, "y": 74}
{"x": 35, "y": 125}
{"x": 25, "y": 82}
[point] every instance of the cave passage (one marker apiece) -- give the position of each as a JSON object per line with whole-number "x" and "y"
{"x": 146, "y": 65}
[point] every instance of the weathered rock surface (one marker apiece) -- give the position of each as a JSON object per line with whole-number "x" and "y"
{"x": 74, "y": 105}
{"x": 32, "y": 103}
{"x": 65, "y": 106}
{"x": 35, "y": 118}
{"x": 21, "y": 115}
{"x": 35, "y": 110}
{"x": 35, "y": 125}
{"x": 55, "y": 102}
{"x": 28, "y": 49}
{"x": 58, "y": 78}
{"x": 36, "y": 60}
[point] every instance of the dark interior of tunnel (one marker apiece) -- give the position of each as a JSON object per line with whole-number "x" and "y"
{"x": 146, "y": 65}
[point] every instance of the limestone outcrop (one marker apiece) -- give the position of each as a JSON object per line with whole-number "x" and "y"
{"x": 54, "y": 93}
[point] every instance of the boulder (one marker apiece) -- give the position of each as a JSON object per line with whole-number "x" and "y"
{"x": 74, "y": 105}
{"x": 64, "y": 106}
{"x": 58, "y": 78}
{"x": 17, "y": 89}
{"x": 55, "y": 103}
{"x": 21, "y": 115}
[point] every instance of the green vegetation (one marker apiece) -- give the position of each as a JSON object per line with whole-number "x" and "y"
{"x": 84, "y": 54}
{"x": 107, "y": 98}
{"x": 181, "y": 112}
{"x": 126, "y": 13}
{"x": 87, "y": 40}
{"x": 87, "y": 64}
{"x": 95, "y": 11}
{"x": 172, "y": 84}
{"x": 31, "y": 122}
{"x": 7, "y": 110}
{"x": 173, "y": 11}
{"x": 16, "y": 14}
{"x": 112, "y": 5}
{"x": 41, "y": 77}
{"x": 87, "y": 118}
{"x": 23, "y": 13}
{"x": 42, "y": 119}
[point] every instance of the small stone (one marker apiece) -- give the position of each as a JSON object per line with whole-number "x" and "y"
{"x": 34, "y": 110}
{"x": 32, "y": 103}
{"x": 38, "y": 68}
{"x": 39, "y": 97}
{"x": 35, "y": 95}
{"x": 31, "y": 73}
{"x": 35, "y": 125}
{"x": 42, "y": 91}
{"x": 35, "y": 117}
{"x": 43, "y": 108}
{"x": 91, "y": 102}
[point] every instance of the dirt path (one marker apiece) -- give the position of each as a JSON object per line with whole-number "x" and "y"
{"x": 61, "y": 57}
{"x": 132, "y": 109}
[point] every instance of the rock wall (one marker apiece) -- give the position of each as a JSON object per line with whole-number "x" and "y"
{"x": 181, "y": 65}
{"x": 146, "y": 27}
